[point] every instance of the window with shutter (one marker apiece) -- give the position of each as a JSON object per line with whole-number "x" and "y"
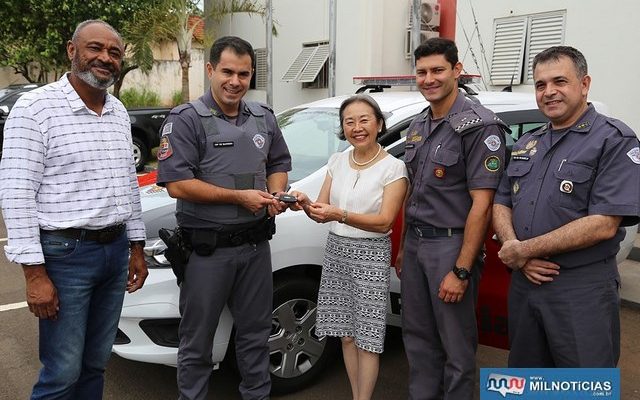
{"x": 518, "y": 39}
{"x": 545, "y": 30}
{"x": 508, "y": 50}
{"x": 261, "y": 69}
{"x": 309, "y": 67}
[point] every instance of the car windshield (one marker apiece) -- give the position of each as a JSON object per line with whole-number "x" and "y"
{"x": 311, "y": 135}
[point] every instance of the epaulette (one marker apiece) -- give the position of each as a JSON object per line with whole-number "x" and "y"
{"x": 465, "y": 121}
{"x": 180, "y": 108}
{"x": 621, "y": 127}
{"x": 257, "y": 108}
{"x": 477, "y": 117}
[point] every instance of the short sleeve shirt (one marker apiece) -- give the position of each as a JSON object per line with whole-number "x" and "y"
{"x": 554, "y": 178}
{"x": 444, "y": 165}
{"x": 361, "y": 191}
{"x": 186, "y": 135}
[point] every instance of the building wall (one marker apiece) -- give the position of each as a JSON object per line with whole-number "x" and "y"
{"x": 606, "y": 33}
{"x": 9, "y": 77}
{"x": 165, "y": 77}
{"x": 370, "y": 41}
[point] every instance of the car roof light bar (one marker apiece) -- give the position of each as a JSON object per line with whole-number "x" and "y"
{"x": 379, "y": 83}
{"x": 405, "y": 80}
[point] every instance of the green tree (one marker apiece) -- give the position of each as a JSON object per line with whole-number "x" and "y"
{"x": 170, "y": 20}
{"x": 34, "y": 33}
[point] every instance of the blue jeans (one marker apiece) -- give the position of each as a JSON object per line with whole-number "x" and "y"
{"x": 90, "y": 279}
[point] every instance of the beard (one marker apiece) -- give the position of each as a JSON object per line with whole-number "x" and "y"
{"x": 83, "y": 71}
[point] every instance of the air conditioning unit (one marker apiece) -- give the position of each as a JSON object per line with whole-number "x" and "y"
{"x": 409, "y": 47}
{"x": 429, "y": 14}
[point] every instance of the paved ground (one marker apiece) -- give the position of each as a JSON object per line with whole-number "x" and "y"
{"x": 128, "y": 380}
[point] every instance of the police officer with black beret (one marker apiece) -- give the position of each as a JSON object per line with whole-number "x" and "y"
{"x": 567, "y": 191}
{"x": 223, "y": 159}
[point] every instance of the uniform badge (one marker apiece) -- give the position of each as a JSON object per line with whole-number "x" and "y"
{"x": 415, "y": 138}
{"x": 533, "y": 151}
{"x": 492, "y": 163}
{"x": 164, "y": 151}
{"x": 516, "y": 187}
{"x": 520, "y": 158}
{"x": 258, "y": 140}
{"x": 518, "y": 152}
{"x": 566, "y": 186}
{"x": 492, "y": 142}
{"x": 530, "y": 144}
{"x": 634, "y": 155}
{"x": 167, "y": 128}
{"x": 439, "y": 172}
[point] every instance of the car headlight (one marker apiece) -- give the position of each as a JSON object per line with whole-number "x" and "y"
{"x": 154, "y": 254}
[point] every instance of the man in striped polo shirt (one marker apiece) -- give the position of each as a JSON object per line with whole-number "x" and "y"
{"x": 71, "y": 205}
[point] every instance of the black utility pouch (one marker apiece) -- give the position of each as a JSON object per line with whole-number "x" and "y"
{"x": 177, "y": 252}
{"x": 203, "y": 242}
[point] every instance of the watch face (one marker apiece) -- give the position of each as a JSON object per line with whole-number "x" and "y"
{"x": 462, "y": 273}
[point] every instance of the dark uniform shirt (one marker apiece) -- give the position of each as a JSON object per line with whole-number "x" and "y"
{"x": 556, "y": 177}
{"x": 184, "y": 144}
{"x": 447, "y": 158}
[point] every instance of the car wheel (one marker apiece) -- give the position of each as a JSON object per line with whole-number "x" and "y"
{"x": 297, "y": 354}
{"x": 140, "y": 153}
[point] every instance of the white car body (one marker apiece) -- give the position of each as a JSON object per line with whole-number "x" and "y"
{"x": 297, "y": 247}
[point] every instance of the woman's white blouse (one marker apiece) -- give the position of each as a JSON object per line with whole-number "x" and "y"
{"x": 360, "y": 191}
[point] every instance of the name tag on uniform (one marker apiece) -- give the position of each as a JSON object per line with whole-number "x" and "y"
{"x": 223, "y": 144}
{"x": 520, "y": 158}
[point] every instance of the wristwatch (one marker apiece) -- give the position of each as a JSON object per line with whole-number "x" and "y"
{"x": 462, "y": 273}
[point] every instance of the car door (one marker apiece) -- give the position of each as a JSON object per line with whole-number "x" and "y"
{"x": 491, "y": 311}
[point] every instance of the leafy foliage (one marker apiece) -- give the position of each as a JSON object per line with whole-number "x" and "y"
{"x": 34, "y": 33}
{"x": 170, "y": 20}
{"x": 133, "y": 98}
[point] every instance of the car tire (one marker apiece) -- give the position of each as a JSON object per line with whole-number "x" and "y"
{"x": 140, "y": 153}
{"x": 297, "y": 355}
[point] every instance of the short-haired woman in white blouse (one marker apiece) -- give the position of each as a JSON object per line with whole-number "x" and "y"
{"x": 361, "y": 196}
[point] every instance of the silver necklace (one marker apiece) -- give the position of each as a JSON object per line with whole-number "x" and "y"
{"x": 366, "y": 162}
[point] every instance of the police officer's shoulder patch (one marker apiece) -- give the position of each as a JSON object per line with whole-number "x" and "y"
{"x": 621, "y": 127}
{"x": 492, "y": 142}
{"x": 634, "y": 155}
{"x": 167, "y": 128}
{"x": 164, "y": 151}
{"x": 492, "y": 163}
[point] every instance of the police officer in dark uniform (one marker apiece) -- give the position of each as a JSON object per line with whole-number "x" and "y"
{"x": 568, "y": 189}
{"x": 222, "y": 158}
{"x": 455, "y": 154}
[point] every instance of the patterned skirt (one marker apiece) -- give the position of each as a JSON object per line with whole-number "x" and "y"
{"x": 354, "y": 288}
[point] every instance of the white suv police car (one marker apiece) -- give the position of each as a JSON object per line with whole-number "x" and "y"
{"x": 149, "y": 322}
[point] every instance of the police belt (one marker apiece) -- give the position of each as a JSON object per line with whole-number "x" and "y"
{"x": 425, "y": 231}
{"x": 204, "y": 241}
{"x": 104, "y": 235}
